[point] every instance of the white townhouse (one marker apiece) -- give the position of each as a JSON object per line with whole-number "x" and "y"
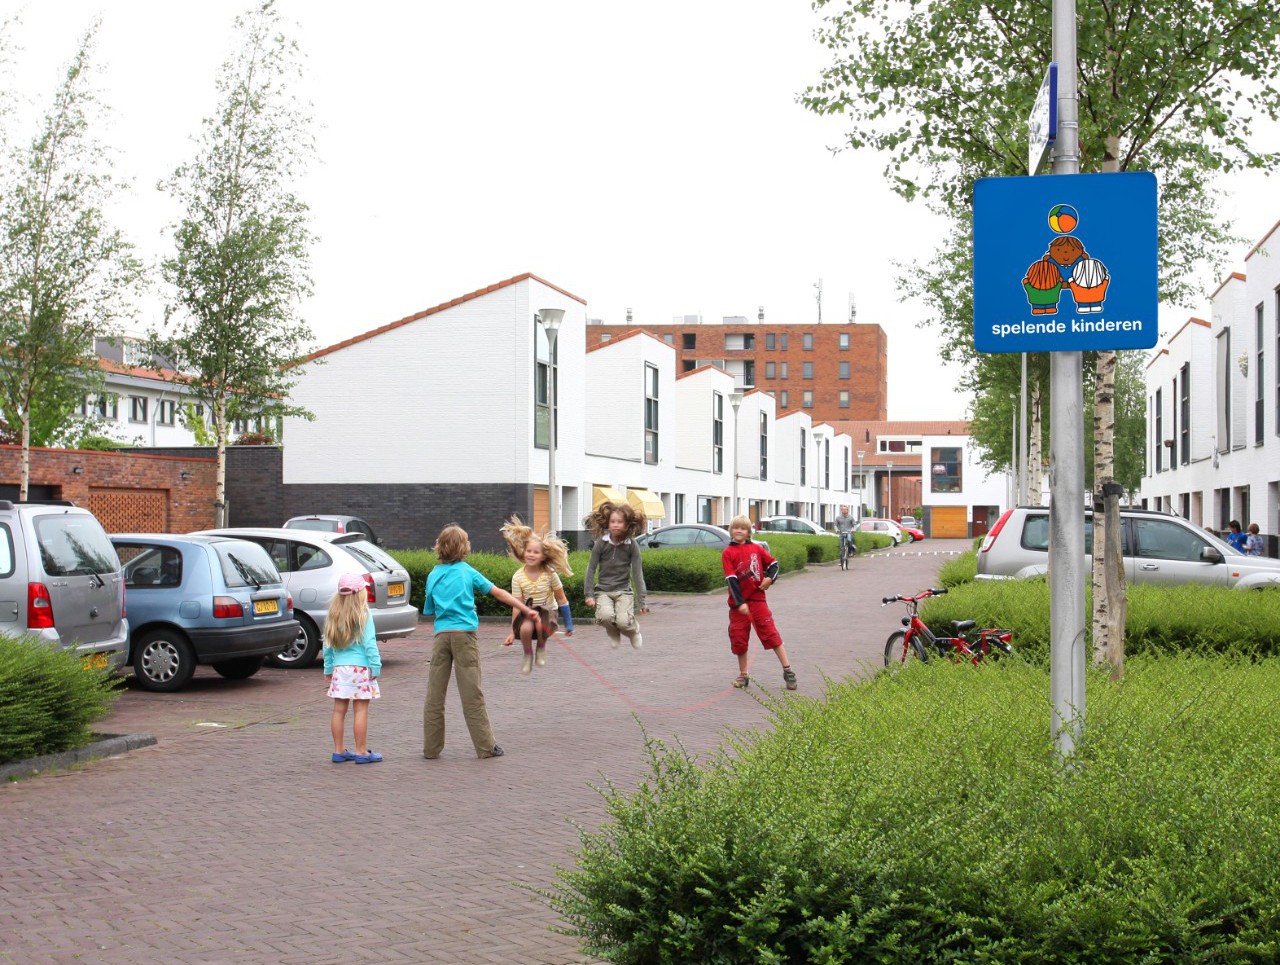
{"x": 445, "y": 416}
{"x": 140, "y": 406}
{"x": 1213, "y": 405}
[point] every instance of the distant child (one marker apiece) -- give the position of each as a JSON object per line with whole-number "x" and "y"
{"x": 749, "y": 571}
{"x": 614, "y": 569}
{"x": 450, "y": 596}
{"x": 1253, "y": 543}
{"x": 351, "y": 667}
{"x": 538, "y": 584}
{"x": 1235, "y": 538}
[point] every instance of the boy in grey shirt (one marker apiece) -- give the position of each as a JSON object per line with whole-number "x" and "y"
{"x": 614, "y": 567}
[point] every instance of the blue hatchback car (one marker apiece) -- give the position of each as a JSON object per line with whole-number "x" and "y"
{"x": 201, "y": 599}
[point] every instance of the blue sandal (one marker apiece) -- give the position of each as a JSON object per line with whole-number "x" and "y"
{"x": 343, "y": 756}
{"x": 371, "y": 758}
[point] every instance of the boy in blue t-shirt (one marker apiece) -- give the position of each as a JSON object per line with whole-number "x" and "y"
{"x": 1235, "y": 538}
{"x": 451, "y": 597}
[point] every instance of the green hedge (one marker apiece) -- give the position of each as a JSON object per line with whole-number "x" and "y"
{"x": 665, "y": 571}
{"x": 1160, "y": 619}
{"x": 822, "y": 549}
{"x": 48, "y": 699}
{"x": 925, "y": 817}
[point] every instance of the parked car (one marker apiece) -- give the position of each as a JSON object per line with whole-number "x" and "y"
{"x": 1156, "y": 548}
{"x": 60, "y": 581}
{"x": 793, "y": 524}
{"x": 884, "y": 527}
{"x": 911, "y": 530}
{"x": 908, "y": 522}
{"x": 311, "y": 563}
{"x": 687, "y": 535}
{"x": 334, "y": 524}
{"x": 201, "y": 600}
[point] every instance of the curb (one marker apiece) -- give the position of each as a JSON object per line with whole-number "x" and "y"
{"x": 106, "y": 745}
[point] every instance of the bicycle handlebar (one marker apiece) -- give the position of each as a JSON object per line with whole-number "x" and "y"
{"x": 922, "y": 595}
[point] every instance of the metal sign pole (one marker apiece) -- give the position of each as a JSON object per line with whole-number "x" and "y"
{"x": 1066, "y": 449}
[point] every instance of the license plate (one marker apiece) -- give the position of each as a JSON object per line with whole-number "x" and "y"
{"x": 266, "y": 606}
{"x": 395, "y": 589}
{"x": 96, "y": 661}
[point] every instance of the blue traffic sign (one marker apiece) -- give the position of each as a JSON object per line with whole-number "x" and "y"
{"x": 1065, "y": 263}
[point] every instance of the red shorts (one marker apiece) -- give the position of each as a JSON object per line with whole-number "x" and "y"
{"x": 760, "y": 617}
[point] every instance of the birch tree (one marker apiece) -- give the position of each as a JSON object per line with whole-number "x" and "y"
{"x": 240, "y": 266}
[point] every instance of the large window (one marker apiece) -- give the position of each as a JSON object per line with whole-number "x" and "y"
{"x": 1224, "y": 391}
{"x": 689, "y": 340}
{"x": 1259, "y": 379}
{"x": 166, "y": 412}
{"x": 1184, "y": 404}
{"x": 804, "y": 452}
{"x": 717, "y": 434}
{"x": 651, "y": 414}
{"x": 544, "y": 367}
{"x": 679, "y": 508}
{"x": 137, "y": 408}
{"x": 945, "y": 470}
{"x": 705, "y": 509}
{"x": 1159, "y": 423}
{"x": 764, "y": 446}
{"x": 826, "y": 463}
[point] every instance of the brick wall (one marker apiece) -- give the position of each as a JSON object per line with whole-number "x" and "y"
{"x": 127, "y": 490}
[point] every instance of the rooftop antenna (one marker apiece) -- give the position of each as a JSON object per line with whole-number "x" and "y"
{"x": 853, "y": 309}
{"x": 818, "y": 287}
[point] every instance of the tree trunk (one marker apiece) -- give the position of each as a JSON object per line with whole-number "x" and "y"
{"x": 24, "y": 470}
{"x": 1109, "y": 601}
{"x": 220, "y": 484}
{"x": 1035, "y": 455}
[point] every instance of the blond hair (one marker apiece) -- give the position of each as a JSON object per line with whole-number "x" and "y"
{"x": 740, "y": 521}
{"x": 348, "y": 614}
{"x": 555, "y": 552}
{"x": 598, "y": 520}
{"x": 453, "y": 544}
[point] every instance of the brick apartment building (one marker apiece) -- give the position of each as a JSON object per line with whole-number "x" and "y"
{"x": 832, "y": 372}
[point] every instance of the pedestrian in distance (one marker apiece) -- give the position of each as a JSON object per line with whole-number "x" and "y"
{"x": 451, "y": 592}
{"x": 845, "y": 525}
{"x": 537, "y": 583}
{"x": 351, "y": 667}
{"x": 750, "y": 571}
{"x": 1253, "y": 542}
{"x": 615, "y": 574}
{"x": 1235, "y": 538}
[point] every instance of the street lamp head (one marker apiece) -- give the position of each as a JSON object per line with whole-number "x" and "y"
{"x": 551, "y": 318}
{"x": 889, "y": 465}
{"x": 861, "y": 453}
{"x": 735, "y": 398}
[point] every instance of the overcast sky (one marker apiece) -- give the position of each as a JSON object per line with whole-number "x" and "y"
{"x": 645, "y": 156}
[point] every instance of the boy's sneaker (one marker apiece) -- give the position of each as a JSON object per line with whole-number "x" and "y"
{"x": 789, "y": 678}
{"x": 526, "y": 665}
{"x": 637, "y": 641}
{"x": 615, "y": 637}
{"x": 541, "y": 658}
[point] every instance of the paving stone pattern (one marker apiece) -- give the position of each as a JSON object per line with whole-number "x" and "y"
{"x": 241, "y": 842}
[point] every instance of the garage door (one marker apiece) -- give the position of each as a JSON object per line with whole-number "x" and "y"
{"x": 130, "y": 510}
{"x": 949, "y": 522}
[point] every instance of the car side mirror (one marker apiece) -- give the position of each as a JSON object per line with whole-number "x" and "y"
{"x": 1210, "y": 555}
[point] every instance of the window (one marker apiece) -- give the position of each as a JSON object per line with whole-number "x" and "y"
{"x": 651, "y": 414}
{"x": 689, "y": 364}
{"x": 807, "y": 399}
{"x": 749, "y": 372}
{"x": 717, "y": 437}
{"x": 166, "y": 412}
{"x": 605, "y": 336}
{"x": 739, "y": 342}
{"x": 689, "y": 340}
{"x": 826, "y": 463}
{"x": 6, "y": 551}
{"x": 1224, "y": 391}
{"x": 1162, "y": 540}
{"x": 784, "y": 338}
{"x": 770, "y": 370}
{"x": 844, "y": 341}
{"x": 545, "y": 382}
{"x": 1184, "y": 403}
{"x": 764, "y": 446}
{"x": 785, "y": 398}
{"x": 844, "y": 399}
{"x": 1259, "y": 379}
{"x": 1159, "y": 423}
{"x": 808, "y": 370}
{"x": 770, "y": 342}
{"x": 808, "y": 341}
{"x": 783, "y": 371}
{"x": 844, "y": 370}
{"x": 804, "y": 453}
{"x": 137, "y": 408}
{"x": 945, "y": 470}
{"x": 704, "y": 509}
{"x": 103, "y": 406}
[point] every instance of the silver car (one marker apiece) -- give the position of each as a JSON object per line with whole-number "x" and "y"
{"x": 60, "y": 581}
{"x": 311, "y": 564}
{"x": 1156, "y": 547}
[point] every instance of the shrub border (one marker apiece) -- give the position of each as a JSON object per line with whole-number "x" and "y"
{"x": 106, "y": 745}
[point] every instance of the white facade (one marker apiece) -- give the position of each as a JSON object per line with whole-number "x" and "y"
{"x": 139, "y": 407}
{"x": 1213, "y": 405}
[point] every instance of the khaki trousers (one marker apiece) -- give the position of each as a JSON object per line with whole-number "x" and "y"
{"x": 616, "y": 612}
{"x": 455, "y": 650}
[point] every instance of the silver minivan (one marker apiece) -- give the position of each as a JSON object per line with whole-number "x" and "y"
{"x": 60, "y": 581}
{"x": 1156, "y": 547}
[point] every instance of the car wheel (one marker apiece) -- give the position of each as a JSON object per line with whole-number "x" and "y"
{"x": 302, "y": 650}
{"x": 164, "y": 661}
{"x": 239, "y": 668}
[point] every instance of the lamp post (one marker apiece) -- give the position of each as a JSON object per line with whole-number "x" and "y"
{"x": 551, "y": 319}
{"x": 862, "y": 484}
{"x": 817, "y": 478}
{"x": 1014, "y": 488}
{"x": 735, "y": 400}
{"x": 889, "y": 501}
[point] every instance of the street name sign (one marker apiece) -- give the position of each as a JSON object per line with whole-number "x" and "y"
{"x": 1065, "y": 263}
{"x": 1042, "y": 124}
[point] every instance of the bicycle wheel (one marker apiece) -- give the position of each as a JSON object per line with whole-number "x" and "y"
{"x": 898, "y": 651}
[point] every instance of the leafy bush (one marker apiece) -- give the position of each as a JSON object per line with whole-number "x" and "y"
{"x": 1160, "y": 619}
{"x": 254, "y": 439}
{"x": 960, "y": 570}
{"x": 925, "y": 817}
{"x": 48, "y": 698}
{"x": 96, "y": 443}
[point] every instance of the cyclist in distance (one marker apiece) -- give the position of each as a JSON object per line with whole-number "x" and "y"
{"x": 844, "y": 526}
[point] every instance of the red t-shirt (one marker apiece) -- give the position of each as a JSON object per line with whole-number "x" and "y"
{"x": 746, "y": 564}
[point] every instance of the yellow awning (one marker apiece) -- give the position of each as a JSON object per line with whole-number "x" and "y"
{"x": 647, "y": 503}
{"x": 605, "y": 494}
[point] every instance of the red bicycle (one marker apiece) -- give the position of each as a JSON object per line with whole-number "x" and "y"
{"x": 916, "y": 640}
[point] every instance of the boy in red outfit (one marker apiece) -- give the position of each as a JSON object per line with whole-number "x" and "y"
{"x": 750, "y": 570}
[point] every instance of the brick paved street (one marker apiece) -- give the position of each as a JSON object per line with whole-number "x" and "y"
{"x": 215, "y": 844}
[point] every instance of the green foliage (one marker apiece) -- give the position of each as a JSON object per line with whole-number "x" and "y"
{"x": 48, "y": 699}
{"x": 254, "y": 439}
{"x": 1159, "y": 619}
{"x": 925, "y": 817}
{"x": 195, "y": 424}
{"x": 960, "y": 570}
